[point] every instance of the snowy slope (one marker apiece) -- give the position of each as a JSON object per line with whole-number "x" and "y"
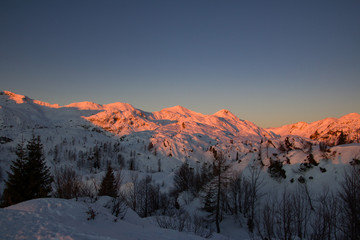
{"x": 173, "y": 135}
{"x": 174, "y": 132}
{"x": 121, "y": 119}
{"x": 67, "y": 219}
{"x": 157, "y": 143}
{"x": 326, "y": 130}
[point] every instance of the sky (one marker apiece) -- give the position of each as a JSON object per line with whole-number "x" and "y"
{"x": 269, "y": 62}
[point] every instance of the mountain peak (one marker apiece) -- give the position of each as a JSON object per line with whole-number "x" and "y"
{"x": 15, "y": 97}
{"x": 224, "y": 113}
{"x": 177, "y": 108}
{"x": 19, "y": 99}
{"x": 120, "y": 106}
{"x": 326, "y": 130}
{"x": 351, "y": 116}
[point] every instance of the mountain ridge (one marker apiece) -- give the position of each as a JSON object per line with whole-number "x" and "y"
{"x": 326, "y": 130}
{"x": 87, "y": 137}
{"x": 115, "y": 117}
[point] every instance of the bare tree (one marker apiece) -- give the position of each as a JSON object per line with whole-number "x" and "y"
{"x": 235, "y": 193}
{"x": 266, "y": 222}
{"x": 219, "y": 165}
{"x": 325, "y": 218}
{"x": 285, "y": 217}
{"x": 67, "y": 183}
{"x": 302, "y": 212}
{"x": 256, "y": 183}
{"x": 350, "y": 208}
{"x": 306, "y": 191}
{"x": 132, "y": 191}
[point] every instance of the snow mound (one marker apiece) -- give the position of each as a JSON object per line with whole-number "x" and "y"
{"x": 67, "y": 219}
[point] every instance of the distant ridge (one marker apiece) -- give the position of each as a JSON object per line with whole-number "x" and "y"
{"x": 326, "y": 130}
{"x": 123, "y": 118}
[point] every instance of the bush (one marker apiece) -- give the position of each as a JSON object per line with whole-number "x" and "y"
{"x": 67, "y": 183}
{"x": 276, "y": 169}
{"x": 91, "y": 213}
{"x": 183, "y": 221}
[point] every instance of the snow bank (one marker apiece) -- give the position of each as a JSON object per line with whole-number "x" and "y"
{"x": 67, "y": 219}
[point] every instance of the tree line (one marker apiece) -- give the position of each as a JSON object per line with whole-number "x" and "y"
{"x": 295, "y": 213}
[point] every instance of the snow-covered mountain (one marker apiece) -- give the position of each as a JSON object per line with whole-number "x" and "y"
{"x": 86, "y": 136}
{"x": 327, "y": 130}
{"x": 122, "y": 118}
{"x": 177, "y": 132}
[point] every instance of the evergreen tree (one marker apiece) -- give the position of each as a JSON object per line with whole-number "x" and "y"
{"x": 108, "y": 185}
{"x": 39, "y": 177}
{"x": 29, "y": 177}
{"x": 183, "y": 178}
{"x": 15, "y": 187}
{"x": 97, "y": 159}
{"x": 276, "y": 169}
{"x": 214, "y": 200}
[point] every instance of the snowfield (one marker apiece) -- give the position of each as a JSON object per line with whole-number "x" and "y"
{"x": 51, "y": 218}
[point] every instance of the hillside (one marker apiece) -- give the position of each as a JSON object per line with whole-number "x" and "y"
{"x": 151, "y": 147}
{"x": 173, "y": 135}
{"x": 67, "y": 219}
{"x": 327, "y": 130}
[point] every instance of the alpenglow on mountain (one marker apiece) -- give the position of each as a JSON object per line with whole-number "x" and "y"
{"x": 175, "y": 132}
{"x": 152, "y": 147}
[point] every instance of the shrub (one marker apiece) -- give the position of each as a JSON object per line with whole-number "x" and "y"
{"x": 276, "y": 169}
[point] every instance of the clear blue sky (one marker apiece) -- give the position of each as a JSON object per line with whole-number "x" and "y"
{"x": 269, "y": 62}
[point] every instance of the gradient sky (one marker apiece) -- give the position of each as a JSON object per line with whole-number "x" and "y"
{"x": 269, "y": 62}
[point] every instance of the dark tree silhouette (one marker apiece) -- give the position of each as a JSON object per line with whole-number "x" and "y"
{"x": 40, "y": 179}
{"x": 29, "y": 177}
{"x": 108, "y": 186}
{"x": 213, "y": 200}
{"x": 342, "y": 138}
{"x": 67, "y": 183}
{"x": 183, "y": 178}
{"x": 15, "y": 190}
{"x": 349, "y": 195}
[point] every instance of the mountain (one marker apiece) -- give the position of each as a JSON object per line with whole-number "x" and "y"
{"x": 86, "y": 106}
{"x": 173, "y": 135}
{"x": 327, "y": 130}
{"x": 157, "y": 141}
{"x": 121, "y": 119}
{"x": 151, "y": 146}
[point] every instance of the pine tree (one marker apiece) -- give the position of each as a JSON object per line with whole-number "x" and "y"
{"x": 97, "y": 159}
{"x": 108, "y": 186}
{"x": 15, "y": 190}
{"x": 39, "y": 177}
{"x": 213, "y": 200}
{"x": 183, "y": 178}
{"x": 29, "y": 177}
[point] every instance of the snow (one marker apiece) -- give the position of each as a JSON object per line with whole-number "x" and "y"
{"x": 177, "y": 135}
{"x": 86, "y": 106}
{"x": 15, "y": 97}
{"x": 67, "y": 219}
{"x": 328, "y": 128}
